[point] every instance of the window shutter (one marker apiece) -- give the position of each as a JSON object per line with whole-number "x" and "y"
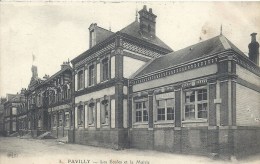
{"x": 101, "y": 72}
{"x": 76, "y": 82}
{"x": 90, "y": 115}
{"x": 154, "y": 109}
{"x": 103, "y": 119}
{"x": 133, "y": 112}
{"x": 98, "y": 73}
{"x": 78, "y": 114}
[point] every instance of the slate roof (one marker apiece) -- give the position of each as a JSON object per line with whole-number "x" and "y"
{"x": 133, "y": 29}
{"x": 204, "y": 48}
{"x": 102, "y": 34}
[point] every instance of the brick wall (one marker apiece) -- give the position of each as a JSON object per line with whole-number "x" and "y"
{"x": 203, "y": 141}
{"x": 248, "y": 105}
{"x": 116, "y": 139}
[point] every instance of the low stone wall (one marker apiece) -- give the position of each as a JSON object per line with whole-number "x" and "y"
{"x": 116, "y": 139}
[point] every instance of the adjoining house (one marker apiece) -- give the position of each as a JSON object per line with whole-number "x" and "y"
{"x": 49, "y": 102}
{"x": 12, "y": 104}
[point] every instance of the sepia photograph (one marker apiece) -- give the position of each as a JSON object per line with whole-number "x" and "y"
{"x": 120, "y": 82}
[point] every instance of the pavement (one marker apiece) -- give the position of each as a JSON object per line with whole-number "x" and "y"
{"x": 52, "y": 151}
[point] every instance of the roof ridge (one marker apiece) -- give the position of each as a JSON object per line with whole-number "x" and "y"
{"x": 195, "y": 44}
{"x": 105, "y": 29}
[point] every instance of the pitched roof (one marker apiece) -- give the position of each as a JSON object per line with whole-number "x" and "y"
{"x": 102, "y": 34}
{"x": 133, "y": 29}
{"x": 204, "y": 48}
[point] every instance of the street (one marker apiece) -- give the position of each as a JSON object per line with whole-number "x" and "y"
{"x": 50, "y": 151}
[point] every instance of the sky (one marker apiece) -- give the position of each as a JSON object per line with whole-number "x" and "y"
{"x": 57, "y": 32}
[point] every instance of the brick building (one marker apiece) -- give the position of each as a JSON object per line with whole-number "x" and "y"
{"x": 2, "y": 100}
{"x": 49, "y": 102}
{"x": 197, "y": 100}
{"x": 11, "y": 106}
{"x": 101, "y": 77}
{"x": 133, "y": 91}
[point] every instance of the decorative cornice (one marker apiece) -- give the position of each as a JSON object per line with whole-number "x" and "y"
{"x": 247, "y": 64}
{"x": 176, "y": 69}
{"x": 145, "y": 44}
{"x": 137, "y": 48}
{"x": 95, "y": 54}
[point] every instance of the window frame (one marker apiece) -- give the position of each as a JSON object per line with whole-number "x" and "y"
{"x": 91, "y": 75}
{"x": 80, "y": 117}
{"x": 165, "y": 109}
{"x": 196, "y": 104}
{"x": 144, "y": 118}
{"x": 92, "y": 114}
{"x": 80, "y": 76}
{"x": 105, "y": 107}
{"x": 105, "y": 70}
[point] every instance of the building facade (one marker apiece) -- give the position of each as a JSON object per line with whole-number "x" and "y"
{"x": 49, "y": 102}
{"x": 2, "y": 129}
{"x": 196, "y": 100}
{"x": 131, "y": 90}
{"x": 59, "y": 98}
{"x": 11, "y": 106}
{"x": 101, "y": 76}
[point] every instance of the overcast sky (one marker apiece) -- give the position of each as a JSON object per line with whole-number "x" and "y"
{"x": 56, "y": 32}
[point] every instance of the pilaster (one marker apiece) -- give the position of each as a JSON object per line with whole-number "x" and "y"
{"x": 150, "y": 107}
{"x": 178, "y": 107}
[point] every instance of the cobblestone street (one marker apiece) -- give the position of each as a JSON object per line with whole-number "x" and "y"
{"x": 16, "y": 150}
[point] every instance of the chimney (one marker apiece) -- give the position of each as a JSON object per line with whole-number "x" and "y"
{"x": 254, "y": 49}
{"x": 34, "y": 72}
{"x": 65, "y": 65}
{"x": 23, "y": 91}
{"x": 92, "y": 34}
{"x": 147, "y": 22}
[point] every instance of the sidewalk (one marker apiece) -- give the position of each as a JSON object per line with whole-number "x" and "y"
{"x": 50, "y": 151}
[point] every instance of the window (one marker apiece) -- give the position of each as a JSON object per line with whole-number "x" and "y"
{"x": 91, "y": 75}
{"x": 149, "y": 28}
{"x": 80, "y": 115}
{"x": 104, "y": 112}
{"x": 61, "y": 119}
{"x": 54, "y": 120}
{"x": 141, "y": 113}
{"x": 67, "y": 119}
{"x": 80, "y": 80}
{"x": 91, "y": 114}
{"x": 196, "y": 104}
{"x": 165, "y": 109}
{"x": 105, "y": 69}
{"x": 39, "y": 122}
